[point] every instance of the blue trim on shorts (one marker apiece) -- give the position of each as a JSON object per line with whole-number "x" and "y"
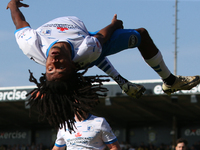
{"x": 60, "y": 145}
{"x": 110, "y": 142}
{"x": 21, "y": 29}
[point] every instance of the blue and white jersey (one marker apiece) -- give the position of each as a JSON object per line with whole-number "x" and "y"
{"x": 37, "y": 43}
{"x": 93, "y": 133}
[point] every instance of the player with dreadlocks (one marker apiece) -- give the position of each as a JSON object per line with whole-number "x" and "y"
{"x": 64, "y": 44}
{"x": 59, "y": 102}
{"x": 63, "y": 92}
{"x": 70, "y": 111}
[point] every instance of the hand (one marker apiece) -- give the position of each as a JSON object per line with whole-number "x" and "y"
{"x": 117, "y": 23}
{"x": 17, "y": 16}
{"x": 17, "y": 3}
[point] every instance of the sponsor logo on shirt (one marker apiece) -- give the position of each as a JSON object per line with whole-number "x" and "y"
{"x": 23, "y": 34}
{"x": 46, "y": 32}
{"x": 62, "y": 29}
{"x": 78, "y": 134}
{"x": 77, "y": 141}
{"x": 29, "y": 38}
{"x": 68, "y": 26}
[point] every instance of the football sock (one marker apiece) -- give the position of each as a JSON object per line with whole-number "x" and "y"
{"x": 158, "y": 65}
{"x": 108, "y": 68}
{"x": 170, "y": 80}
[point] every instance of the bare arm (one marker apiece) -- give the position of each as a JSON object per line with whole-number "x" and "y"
{"x": 17, "y": 16}
{"x": 104, "y": 34}
{"x": 58, "y": 148}
{"x": 114, "y": 146}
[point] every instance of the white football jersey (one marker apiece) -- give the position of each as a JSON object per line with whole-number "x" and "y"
{"x": 93, "y": 133}
{"x": 37, "y": 43}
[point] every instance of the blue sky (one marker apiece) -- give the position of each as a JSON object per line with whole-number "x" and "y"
{"x": 157, "y": 16}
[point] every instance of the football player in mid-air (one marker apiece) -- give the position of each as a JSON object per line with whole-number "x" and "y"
{"x": 65, "y": 46}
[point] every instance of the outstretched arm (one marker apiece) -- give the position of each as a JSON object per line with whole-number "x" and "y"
{"x": 104, "y": 34}
{"x": 17, "y": 16}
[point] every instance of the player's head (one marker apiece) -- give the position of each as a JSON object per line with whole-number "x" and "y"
{"x": 59, "y": 64}
{"x": 59, "y": 102}
{"x": 181, "y": 144}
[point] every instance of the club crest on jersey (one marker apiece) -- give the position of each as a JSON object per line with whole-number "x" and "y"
{"x": 45, "y": 32}
{"x": 90, "y": 128}
{"x": 132, "y": 41}
{"x": 62, "y": 29}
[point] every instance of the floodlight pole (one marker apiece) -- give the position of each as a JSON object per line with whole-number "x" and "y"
{"x": 174, "y": 126}
{"x": 175, "y": 43}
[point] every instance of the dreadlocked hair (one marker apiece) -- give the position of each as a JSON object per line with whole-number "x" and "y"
{"x": 60, "y": 101}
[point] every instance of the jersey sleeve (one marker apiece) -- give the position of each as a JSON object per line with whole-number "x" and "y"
{"x": 89, "y": 50}
{"x": 107, "y": 134}
{"x": 59, "y": 140}
{"x": 29, "y": 42}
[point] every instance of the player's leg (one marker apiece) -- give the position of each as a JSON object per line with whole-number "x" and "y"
{"x": 153, "y": 58}
{"x": 121, "y": 39}
{"x": 133, "y": 90}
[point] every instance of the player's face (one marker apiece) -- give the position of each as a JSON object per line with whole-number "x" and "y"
{"x": 181, "y": 146}
{"x": 59, "y": 63}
